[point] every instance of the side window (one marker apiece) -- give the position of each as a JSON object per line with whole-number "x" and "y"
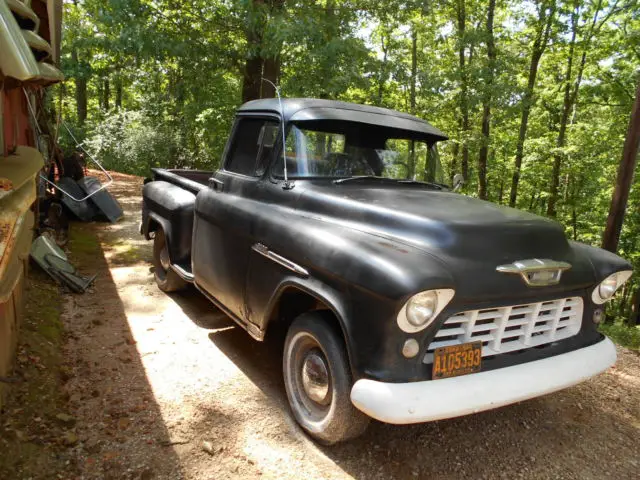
{"x": 252, "y": 146}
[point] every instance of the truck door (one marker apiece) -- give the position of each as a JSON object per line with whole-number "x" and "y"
{"x": 223, "y": 214}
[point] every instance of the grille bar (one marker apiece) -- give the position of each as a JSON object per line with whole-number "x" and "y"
{"x": 511, "y": 328}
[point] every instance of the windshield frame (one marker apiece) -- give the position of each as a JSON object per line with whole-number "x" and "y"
{"x": 276, "y": 174}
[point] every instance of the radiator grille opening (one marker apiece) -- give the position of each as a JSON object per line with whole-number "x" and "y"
{"x": 511, "y": 328}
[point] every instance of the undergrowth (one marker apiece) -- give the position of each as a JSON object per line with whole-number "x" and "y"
{"x": 622, "y": 334}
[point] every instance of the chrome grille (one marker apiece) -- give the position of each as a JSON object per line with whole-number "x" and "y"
{"x": 507, "y": 329}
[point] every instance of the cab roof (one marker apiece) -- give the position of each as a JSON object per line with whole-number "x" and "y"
{"x": 311, "y": 109}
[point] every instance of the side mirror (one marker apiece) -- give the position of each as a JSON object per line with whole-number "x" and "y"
{"x": 458, "y": 181}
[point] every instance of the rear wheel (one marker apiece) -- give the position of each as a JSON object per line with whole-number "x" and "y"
{"x": 318, "y": 380}
{"x": 166, "y": 278}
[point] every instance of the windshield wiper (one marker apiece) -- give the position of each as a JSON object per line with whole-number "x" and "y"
{"x": 363, "y": 177}
{"x": 386, "y": 179}
{"x": 427, "y": 184}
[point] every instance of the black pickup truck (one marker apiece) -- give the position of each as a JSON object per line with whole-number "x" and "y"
{"x": 402, "y": 300}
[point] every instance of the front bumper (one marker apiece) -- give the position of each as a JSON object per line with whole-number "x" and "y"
{"x": 402, "y": 403}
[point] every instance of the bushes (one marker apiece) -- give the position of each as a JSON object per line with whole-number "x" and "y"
{"x": 131, "y": 142}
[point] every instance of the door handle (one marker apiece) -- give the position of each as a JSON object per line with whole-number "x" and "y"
{"x": 217, "y": 185}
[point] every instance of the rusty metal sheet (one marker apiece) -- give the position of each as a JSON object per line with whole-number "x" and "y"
{"x": 6, "y": 186}
{"x": 13, "y": 209}
{"x": 19, "y": 168}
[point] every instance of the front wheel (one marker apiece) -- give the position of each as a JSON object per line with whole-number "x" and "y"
{"x": 166, "y": 278}
{"x": 318, "y": 380}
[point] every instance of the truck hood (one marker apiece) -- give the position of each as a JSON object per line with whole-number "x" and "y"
{"x": 470, "y": 235}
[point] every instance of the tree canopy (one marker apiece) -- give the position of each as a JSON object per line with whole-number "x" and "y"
{"x": 535, "y": 95}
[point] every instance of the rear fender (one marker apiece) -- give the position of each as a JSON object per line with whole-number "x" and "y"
{"x": 171, "y": 207}
{"x": 154, "y": 221}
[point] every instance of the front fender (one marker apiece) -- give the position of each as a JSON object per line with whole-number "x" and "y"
{"x": 337, "y": 302}
{"x": 364, "y": 279}
{"x": 604, "y": 263}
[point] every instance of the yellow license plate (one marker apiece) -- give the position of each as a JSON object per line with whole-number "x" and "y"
{"x": 456, "y": 360}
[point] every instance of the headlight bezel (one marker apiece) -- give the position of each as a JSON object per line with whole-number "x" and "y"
{"x": 620, "y": 277}
{"x": 443, "y": 297}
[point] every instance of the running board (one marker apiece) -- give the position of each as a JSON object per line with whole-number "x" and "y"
{"x": 183, "y": 273}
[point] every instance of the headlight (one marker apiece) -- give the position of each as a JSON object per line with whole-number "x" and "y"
{"x": 608, "y": 287}
{"x": 422, "y": 309}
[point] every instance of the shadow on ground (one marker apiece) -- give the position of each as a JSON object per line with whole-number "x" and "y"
{"x": 562, "y": 435}
{"x": 120, "y": 428}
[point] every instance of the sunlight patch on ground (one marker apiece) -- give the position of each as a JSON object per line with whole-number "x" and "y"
{"x": 169, "y": 343}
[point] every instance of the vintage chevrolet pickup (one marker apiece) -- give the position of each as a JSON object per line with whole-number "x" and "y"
{"x": 402, "y": 300}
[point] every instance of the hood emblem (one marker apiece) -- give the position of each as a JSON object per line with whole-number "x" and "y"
{"x": 536, "y": 272}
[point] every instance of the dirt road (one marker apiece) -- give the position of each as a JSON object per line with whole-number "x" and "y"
{"x": 155, "y": 376}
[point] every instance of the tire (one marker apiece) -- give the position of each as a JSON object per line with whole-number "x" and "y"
{"x": 166, "y": 278}
{"x": 320, "y": 403}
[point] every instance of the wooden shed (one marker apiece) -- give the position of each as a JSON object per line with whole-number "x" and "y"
{"x": 29, "y": 56}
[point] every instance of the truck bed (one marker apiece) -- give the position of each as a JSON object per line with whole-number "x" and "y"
{"x": 168, "y": 203}
{"x": 191, "y": 180}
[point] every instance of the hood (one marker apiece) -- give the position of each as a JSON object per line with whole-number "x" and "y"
{"x": 470, "y": 235}
{"x": 437, "y": 221}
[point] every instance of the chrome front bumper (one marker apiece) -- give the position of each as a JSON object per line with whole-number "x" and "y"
{"x": 402, "y": 403}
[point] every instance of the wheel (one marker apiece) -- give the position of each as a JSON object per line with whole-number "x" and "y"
{"x": 318, "y": 380}
{"x": 166, "y": 278}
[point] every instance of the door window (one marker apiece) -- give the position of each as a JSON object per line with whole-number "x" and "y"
{"x": 252, "y": 146}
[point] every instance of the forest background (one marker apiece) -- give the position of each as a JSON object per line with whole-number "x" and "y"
{"x": 537, "y": 97}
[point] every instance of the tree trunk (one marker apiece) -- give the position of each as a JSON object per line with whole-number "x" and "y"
{"x": 81, "y": 90}
{"x": 252, "y": 79}
{"x": 271, "y": 72}
{"x": 414, "y": 70}
{"x": 564, "y": 120}
{"x": 486, "y": 105}
{"x": 545, "y": 20}
{"x": 412, "y": 97}
{"x": 257, "y": 66}
{"x": 272, "y": 64}
{"x": 454, "y": 162}
{"x": 118, "y": 92}
{"x": 252, "y": 74}
{"x": 107, "y": 94}
{"x": 624, "y": 179}
{"x": 464, "y": 101}
{"x": 570, "y": 100}
{"x": 382, "y": 78}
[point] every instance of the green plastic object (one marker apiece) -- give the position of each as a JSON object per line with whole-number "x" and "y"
{"x": 53, "y": 260}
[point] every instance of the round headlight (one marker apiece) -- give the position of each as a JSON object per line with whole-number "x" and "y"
{"x": 421, "y": 308}
{"x": 608, "y": 287}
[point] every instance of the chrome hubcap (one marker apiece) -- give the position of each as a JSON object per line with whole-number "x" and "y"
{"x": 315, "y": 377}
{"x": 164, "y": 258}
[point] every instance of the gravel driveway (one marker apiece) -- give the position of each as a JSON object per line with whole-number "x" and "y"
{"x": 165, "y": 386}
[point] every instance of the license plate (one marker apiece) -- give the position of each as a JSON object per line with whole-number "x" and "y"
{"x": 456, "y": 360}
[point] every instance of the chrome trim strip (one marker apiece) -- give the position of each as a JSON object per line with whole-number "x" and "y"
{"x": 182, "y": 273}
{"x": 279, "y": 259}
{"x": 533, "y": 271}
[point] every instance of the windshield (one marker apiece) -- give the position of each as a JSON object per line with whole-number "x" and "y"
{"x": 354, "y": 152}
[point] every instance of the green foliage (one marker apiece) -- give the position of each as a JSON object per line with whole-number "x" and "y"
{"x": 622, "y": 334}
{"x": 175, "y": 70}
{"x": 129, "y": 142}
